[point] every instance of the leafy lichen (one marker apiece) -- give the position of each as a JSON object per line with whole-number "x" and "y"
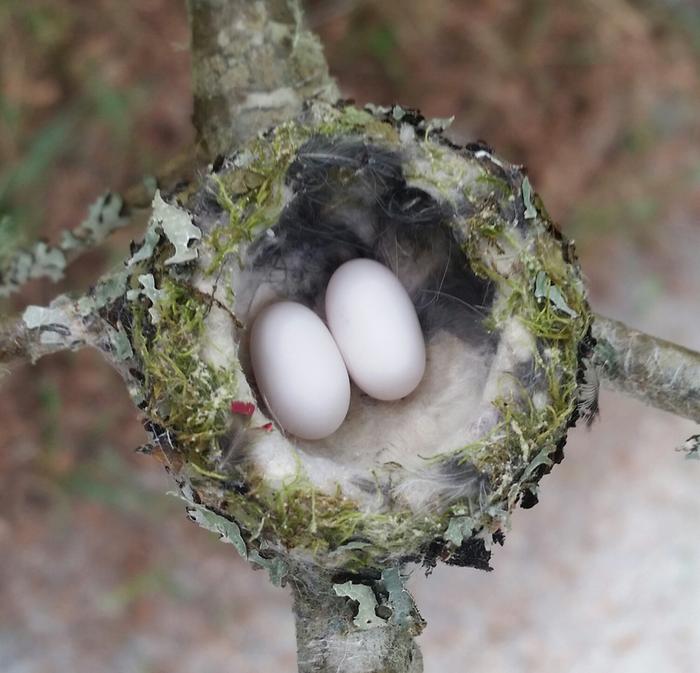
{"x": 229, "y": 533}
{"x": 366, "y": 617}
{"x": 46, "y": 261}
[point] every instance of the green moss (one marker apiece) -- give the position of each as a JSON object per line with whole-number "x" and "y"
{"x": 526, "y": 434}
{"x": 331, "y": 526}
{"x": 499, "y": 185}
{"x": 252, "y": 194}
{"x": 184, "y": 393}
{"x": 351, "y": 121}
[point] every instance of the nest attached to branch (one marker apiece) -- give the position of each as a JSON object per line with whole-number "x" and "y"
{"x": 500, "y": 300}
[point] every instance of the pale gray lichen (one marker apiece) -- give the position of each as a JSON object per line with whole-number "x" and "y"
{"x": 48, "y": 262}
{"x": 177, "y": 226}
{"x": 229, "y": 533}
{"x": 104, "y": 216}
{"x": 382, "y": 603}
{"x": 106, "y": 291}
{"x": 45, "y": 261}
{"x": 530, "y": 210}
{"x": 460, "y": 528}
{"x": 366, "y": 617}
{"x": 151, "y": 292}
{"x": 47, "y": 329}
{"x": 54, "y": 322}
{"x": 150, "y": 240}
{"x": 404, "y": 612}
{"x": 120, "y": 343}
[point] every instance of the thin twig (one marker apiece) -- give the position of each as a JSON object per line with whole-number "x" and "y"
{"x": 110, "y": 212}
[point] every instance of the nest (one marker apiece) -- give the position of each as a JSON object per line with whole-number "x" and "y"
{"x": 500, "y": 300}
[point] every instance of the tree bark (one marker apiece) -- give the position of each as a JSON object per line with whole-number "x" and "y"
{"x": 329, "y": 641}
{"x": 657, "y": 372}
{"x": 253, "y": 65}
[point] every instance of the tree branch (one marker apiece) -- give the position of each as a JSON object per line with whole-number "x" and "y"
{"x": 44, "y": 330}
{"x": 107, "y": 214}
{"x": 657, "y": 372}
{"x": 253, "y": 65}
{"x": 330, "y": 641}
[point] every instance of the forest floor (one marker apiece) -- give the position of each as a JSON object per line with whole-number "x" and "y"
{"x": 100, "y": 572}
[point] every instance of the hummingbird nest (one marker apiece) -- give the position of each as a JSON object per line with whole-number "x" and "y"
{"x": 498, "y": 294}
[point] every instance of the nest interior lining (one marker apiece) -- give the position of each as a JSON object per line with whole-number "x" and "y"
{"x": 345, "y": 199}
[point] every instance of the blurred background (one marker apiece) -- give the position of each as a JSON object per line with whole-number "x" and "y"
{"x": 99, "y": 569}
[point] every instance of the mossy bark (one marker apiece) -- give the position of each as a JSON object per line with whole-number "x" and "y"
{"x": 253, "y": 65}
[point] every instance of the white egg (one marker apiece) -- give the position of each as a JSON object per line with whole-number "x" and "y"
{"x": 375, "y": 325}
{"x": 299, "y": 370}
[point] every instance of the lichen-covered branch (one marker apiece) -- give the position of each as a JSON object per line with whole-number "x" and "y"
{"x": 72, "y": 323}
{"x": 111, "y": 211}
{"x": 660, "y": 373}
{"x": 253, "y": 64}
{"x": 42, "y": 331}
{"x": 340, "y": 628}
{"x": 106, "y": 214}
